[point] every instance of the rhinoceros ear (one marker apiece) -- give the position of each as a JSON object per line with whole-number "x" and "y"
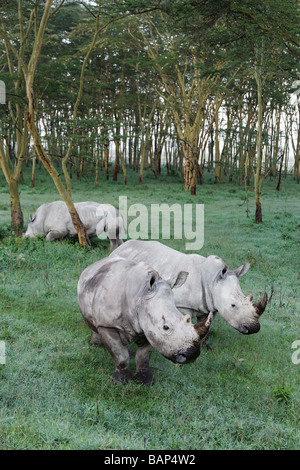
{"x": 242, "y": 270}
{"x": 178, "y": 280}
{"x": 32, "y": 217}
{"x": 224, "y": 270}
{"x": 152, "y": 278}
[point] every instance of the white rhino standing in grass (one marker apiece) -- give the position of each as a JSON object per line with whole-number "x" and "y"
{"x": 53, "y": 220}
{"x": 211, "y": 286}
{"x": 123, "y": 301}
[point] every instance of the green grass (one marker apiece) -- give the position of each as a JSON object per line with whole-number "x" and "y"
{"x": 55, "y": 389}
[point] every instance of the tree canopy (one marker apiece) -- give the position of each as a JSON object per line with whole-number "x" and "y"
{"x": 190, "y": 84}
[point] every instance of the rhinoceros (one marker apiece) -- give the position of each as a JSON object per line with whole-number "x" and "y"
{"x": 53, "y": 220}
{"x": 211, "y": 286}
{"x": 123, "y": 301}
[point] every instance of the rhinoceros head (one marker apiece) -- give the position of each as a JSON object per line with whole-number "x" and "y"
{"x": 236, "y": 308}
{"x": 167, "y": 330}
{"x": 31, "y": 229}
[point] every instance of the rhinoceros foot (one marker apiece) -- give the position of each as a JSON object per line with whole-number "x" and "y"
{"x": 96, "y": 340}
{"x": 144, "y": 377}
{"x": 122, "y": 376}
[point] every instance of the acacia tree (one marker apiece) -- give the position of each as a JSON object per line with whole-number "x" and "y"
{"x": 33, "y": 21}
{"x": 270, "y": 64}
{"x": 296, "y": 143}
{"x": 259, "y": 36}
{"x": 14, "y": 131}
{"x": 35, "y": 27}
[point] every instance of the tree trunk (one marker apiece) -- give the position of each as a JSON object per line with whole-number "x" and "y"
{"x": 16, "y": 211}
{"x": 12, "y": 180}
{"x": 106, "y": 160}
{"x": 258, "y": 212}
{"x": 96, "y": 172}
{"x": 142, "y": 159}
{"x": 116, "y": 168}
{"x": 190, "y": 150}
{"x": 280, "y": 170}
{"x": 123, "y": 165}
{"x": 257, "y": 175}
{"x": 78, "y": 225}
{"x": 218, "y": 167}
{"x": 190, "y": 175}
{"x": 66, "y": 175}
{"x": 33, "y": 172}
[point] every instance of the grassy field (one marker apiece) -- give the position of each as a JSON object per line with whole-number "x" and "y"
{"x": 56, "y": 390}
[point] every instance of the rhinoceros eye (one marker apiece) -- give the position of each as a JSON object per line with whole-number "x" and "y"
{"x": 166, "y": 327}
{"x": 232, "y": 305}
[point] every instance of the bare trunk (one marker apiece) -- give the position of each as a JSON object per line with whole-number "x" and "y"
{"x": 190, "y": 151}
{"x": 96, "y": 172}
{"x": 16, "y": 211}
{"x": 33, "y": 172}
{"x": 142, "y": 160}
{"x": 258, "y": 213}
{"x": 257, "y": 175}
{"x": 280, "y": 171}
{"x": 116, "y": 169}
{"x": 12, "y": 180}
{"x": 218, "y": 167}
{"x": 190, "y": 175}
{"x": 66, "y": 175}
{"x": 106, "y": 158}
{"x": 78, "y": 225}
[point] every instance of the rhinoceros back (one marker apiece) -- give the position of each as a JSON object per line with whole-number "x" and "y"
{"x": 105, "y": 296}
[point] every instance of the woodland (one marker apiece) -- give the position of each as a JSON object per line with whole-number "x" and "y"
{"x": 103, "y": 87}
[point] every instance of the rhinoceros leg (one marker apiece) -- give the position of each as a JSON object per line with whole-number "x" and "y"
{"x": 143, "y": 374}
{"x": 96, "y": 339}
{"x": 113, "y": 244}
{"x": 54, "y": 235}
{"x": 110, "y": 338}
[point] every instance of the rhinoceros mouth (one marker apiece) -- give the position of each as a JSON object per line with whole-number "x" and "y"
{"x": 249, "y": 329}
{"x": 185, "y": 357}
{"x": 180, "y": 359}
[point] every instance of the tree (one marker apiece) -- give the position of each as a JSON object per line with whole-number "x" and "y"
{"x": 26, "y": 66}
{"x": 185, "y": 88}
{"x": 14, "y": 131}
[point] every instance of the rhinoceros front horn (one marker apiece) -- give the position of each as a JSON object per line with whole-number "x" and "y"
{"x": 261, "y": 305}
{"x": 203, "y": 327}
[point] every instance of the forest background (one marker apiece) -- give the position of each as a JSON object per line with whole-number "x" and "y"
{"x": 185, "y": 84}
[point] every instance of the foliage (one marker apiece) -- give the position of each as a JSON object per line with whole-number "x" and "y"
{"x": 121, "y": 79}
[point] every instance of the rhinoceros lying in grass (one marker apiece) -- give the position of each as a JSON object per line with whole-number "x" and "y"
{"x": 54, "y": 221}
{"x": 123, "y": 302}
{"x": 210, "y": 287}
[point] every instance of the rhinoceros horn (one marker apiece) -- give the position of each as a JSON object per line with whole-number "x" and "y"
{"x": 261, "y": 305}
{"x": 203, "y": 327}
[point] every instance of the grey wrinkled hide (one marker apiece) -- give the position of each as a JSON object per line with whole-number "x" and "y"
{"x": 123, "y": 302}
{"x": 53, "y": 220}
{"x": 210, "y": 286}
